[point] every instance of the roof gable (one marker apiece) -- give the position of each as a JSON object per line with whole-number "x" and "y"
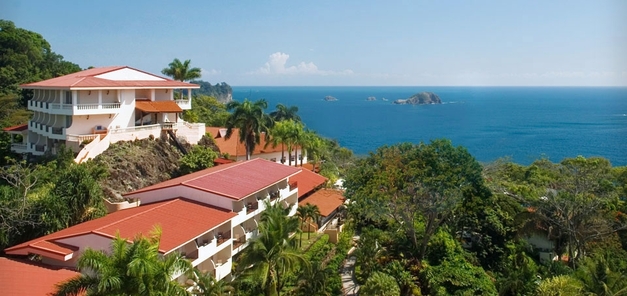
{"x": 128, "y": 73}
{"x": 307, "y": 181}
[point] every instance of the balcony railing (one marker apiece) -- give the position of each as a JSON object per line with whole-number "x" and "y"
{"x": 77, "y": 107}
{"x": 57, "y": 130}
{"x": 18, "y": 146}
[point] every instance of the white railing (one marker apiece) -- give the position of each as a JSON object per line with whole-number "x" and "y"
{"x": 86, "y": 106}
{"x": 111, "y": 106}
{"x": 60, "y": 106}
{"x": 18, "y": 146}
{"x": 136, "y": 128}
{"x": 81, "y": 138}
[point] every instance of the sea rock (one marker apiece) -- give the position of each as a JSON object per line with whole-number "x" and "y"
{"x": 423, "y": 98}
{"x": 371, "y": 99}
{"x": 330, "y": 98}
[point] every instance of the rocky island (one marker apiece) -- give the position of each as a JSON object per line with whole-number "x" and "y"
{"x": 330, "y": 98}
{"x": 423, "y": 98}
{"x": 371, "y": 99}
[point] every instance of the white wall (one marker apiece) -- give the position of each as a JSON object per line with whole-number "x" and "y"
{"x": 161, "y": 95}
{"x": 81, "y": 125}
{"x": 186, "y": 192}
{"x": 128, "y": 74}
{"x": 126, "y": 115}
{"x": 84, "y": 97}
{"x": 112, "y": 97}
{"x": 93, "y": 241}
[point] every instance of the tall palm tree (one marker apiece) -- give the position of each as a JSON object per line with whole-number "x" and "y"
{"x": 312, "y": 146}
{"x": 129, "y": 269}
{"x": 272, "y": 255}
{"x": 251, "y": 120}
{"x": 181, "y": 71}
{"x": 302, "y": 214}
{"x": 289, "y": 133}
{"x": 313, "y": 213}
{"x": 279, "y": 135}
{"x": 283, "y": 112}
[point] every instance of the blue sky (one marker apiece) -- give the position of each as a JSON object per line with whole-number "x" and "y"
{"x": 438, "y": 43}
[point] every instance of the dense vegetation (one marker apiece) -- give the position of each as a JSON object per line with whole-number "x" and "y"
{"x": 221, "y": 91}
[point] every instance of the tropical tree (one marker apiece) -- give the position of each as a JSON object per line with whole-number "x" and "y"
{"x": 283, "y": 112}
{"x": 288, "y": 133}
{"x": 251, "y": 120}
{"x": 129, "y": 269}
{"x": 272, "y": 256}
{"x": 312, "y": 212}
{"x": 206, "y": 285}
{"x": 314, "y": 147}
{"x": 181, "y": 71}
{"x": 562, "y": 285}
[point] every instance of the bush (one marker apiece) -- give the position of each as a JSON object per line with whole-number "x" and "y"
{"x": 382, "y": 284}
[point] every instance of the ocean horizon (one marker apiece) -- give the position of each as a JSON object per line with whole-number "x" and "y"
{"x": 522, "y": 123}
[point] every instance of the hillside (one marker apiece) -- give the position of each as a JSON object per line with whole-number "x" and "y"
{"x": 136, "y": 164}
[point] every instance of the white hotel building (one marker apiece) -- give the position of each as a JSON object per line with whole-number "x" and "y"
{"x": 90, "y": 109}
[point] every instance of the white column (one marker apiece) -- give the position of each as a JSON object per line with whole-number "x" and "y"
{"x": 74, "y": 97}
{"x": 99, "y": 99}
{"x": 189, "y": 94}
{"x": 152, "y": 94}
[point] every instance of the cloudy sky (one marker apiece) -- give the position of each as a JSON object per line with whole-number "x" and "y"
{"x": 501, "y": 43}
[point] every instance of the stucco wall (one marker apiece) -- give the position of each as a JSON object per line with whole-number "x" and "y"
{"x": 128, "y": 74}
{"x": 87, "y": 97}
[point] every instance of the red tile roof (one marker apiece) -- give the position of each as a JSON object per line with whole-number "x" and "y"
{"x": 158, "y": 106}
{"x": 181, "y": 220}
{"x": 22, "y": 277}
{"x": 327, "y": 200}
{"x": 306, "y": 181}
{"x": 234, "y": 180}
{"x": 86, "y": 79}
{"x": 234, "y": 147}
{"x": 16, "y": 128}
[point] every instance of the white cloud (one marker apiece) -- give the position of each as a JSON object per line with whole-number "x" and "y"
{"x": 210, "y": 72}
{"x": 276, "y": 65}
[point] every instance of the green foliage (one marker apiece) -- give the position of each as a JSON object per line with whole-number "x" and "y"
{"x": 283, "y": 112}
{"x": 39, "y": 199}
{"x": 380, "y": 284}
{"x": 207, "y": 109}
{"x": 135, "y": 269}
{"x": 408, "y": 182}
{"x": 562, "y": 285}
{"x": 199, "y": 158}
{"x": 271, "y": 258}
{"x": 251, "y": 120}
{"x": 448, "y": 272}
{"x": 288, "y": 134}
{"x": 25, "y": 57}
{"x": 603, "y": 274}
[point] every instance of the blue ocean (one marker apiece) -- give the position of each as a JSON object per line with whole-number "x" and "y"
{"x": 522, "y": 123}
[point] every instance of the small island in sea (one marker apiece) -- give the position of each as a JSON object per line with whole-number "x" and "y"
{"x": 423, "y": 98}
{"x": 330, "y": 98}
{"x": 371, "y": 99}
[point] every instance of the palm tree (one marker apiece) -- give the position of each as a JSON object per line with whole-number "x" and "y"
{"x": 313, "y": 281}
{"x": 279, "y": 135}
{"x": 312, "y": 146}
{"x": 283, "y": 112}
{"x": 272, "y": 255}
{"x": 302, "y": 214}
{"x": 206, "y": 285}
{"x": 129, "y": 269}
{"x": 313, "y": 213}
{"x": 181, "y": 71}
{"x": 288, "y": 133}
{"x": 251, "y": 120}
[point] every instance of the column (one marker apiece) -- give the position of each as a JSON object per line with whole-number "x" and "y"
{"x": 152, "y": 95}
{"x": 99, "y": 99}
{"x": 189, "y": 95}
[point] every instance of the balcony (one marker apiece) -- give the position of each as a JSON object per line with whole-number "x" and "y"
{"x": 78, "y": 109}
{"x": 184, "y": 104}
{"x": 19, "y": 147}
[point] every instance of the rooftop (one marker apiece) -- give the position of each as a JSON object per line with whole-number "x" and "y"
{"x": 109, "y": 77}
{"x": 181, "y": 220}
{"x": 16, "y": 128}
{"x": 158, "y": 106}
{"x": 307, "y": 181}
{"x": 21, "y": 277}
{"x": 233, "y": 180}
{"x": 327, "y": 200}
{"x": 234, "y": 147}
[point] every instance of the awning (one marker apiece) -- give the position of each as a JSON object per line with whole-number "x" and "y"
{"x": 158, "y": 106}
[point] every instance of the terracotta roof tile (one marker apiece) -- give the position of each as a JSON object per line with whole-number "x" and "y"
{"x": 85, "y": 79}
{"x": 307, "y": 181}
{"x": 327, "y": 200}
{"x": 181, "y": 220}
{"x": 234, "y": 180}
{"x": 21, "y": 277}
{"x": 158, "y": 106}
{"x": 234, "y": 147}
{"x": 16, "y": 128}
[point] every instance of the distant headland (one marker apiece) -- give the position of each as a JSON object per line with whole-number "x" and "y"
{"x": 423, "y": 98}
